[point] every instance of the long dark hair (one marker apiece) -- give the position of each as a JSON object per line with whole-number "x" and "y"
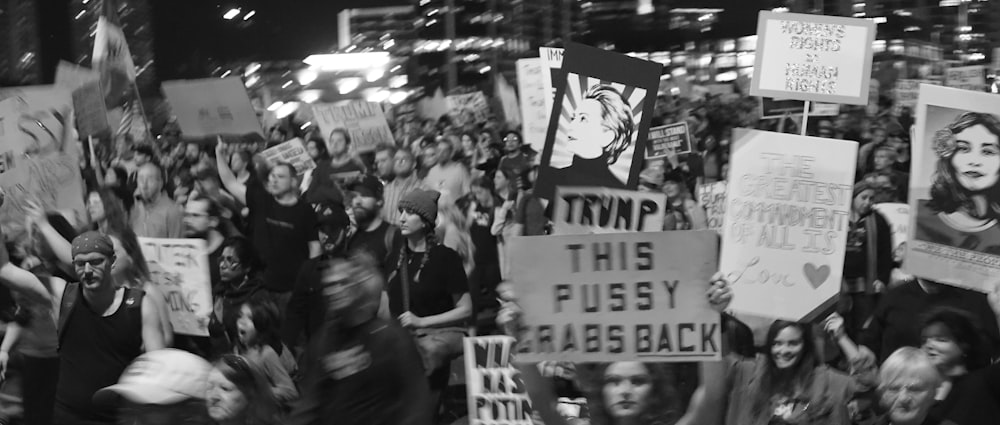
{"x": 114, "y": 221}
{"x": 947, "y": 195}
{"x": 664, "y": 406}
{"x": 261, "y": 407}
{"x": 430, "y": 239}
{"x": 967, "y": 332}
{"x": 266, "y": 321}
{"x": 770, "y": 380}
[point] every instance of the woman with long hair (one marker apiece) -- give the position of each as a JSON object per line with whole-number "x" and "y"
{"x": 259, "y": 340}
{"x": 683, "y": 212}
{"x": 453, "y": 231}
{"x": 238, "y": 394}
{"x": 964, "y": 206}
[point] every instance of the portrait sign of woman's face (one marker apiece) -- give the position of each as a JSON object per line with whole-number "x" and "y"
{"x": 627, "y": 389}
{"x": 587, "y": 133}
{"x": 977, "y": 158}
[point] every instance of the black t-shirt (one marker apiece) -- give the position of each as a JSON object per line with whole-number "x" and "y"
{"x": 374, "y": 242}
{"x": 281, "y": 235}
{"x": 441, "y": 279}
{"x": 974, "y": 399}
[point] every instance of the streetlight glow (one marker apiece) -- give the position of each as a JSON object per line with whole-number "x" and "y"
{"x": 232, "y": 13}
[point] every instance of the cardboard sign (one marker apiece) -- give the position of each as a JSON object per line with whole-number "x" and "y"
{"x": 777, "y": 108}
{"x": 212, "y": 106}
{"x": 179, "y": 268}
{"x": 468, "y": 108}
{"x": 496, "y": 393}
{"x": 906, "y": 93}
{"x": 39, "y": 156}
{"x": 552, "y": 60}
{"x": 364, "y": 121}
{"x": 534, "y": 97}
{"x": 611, "y": 297}
{"x": 88, "y": 99}
{"x": 813, "y": 57}
{"x": 712, "y": 198}
{"x": 584, "y": 145}
{"x": 949, "y": 240}
{"x": 585, "y": 210}
{"x": 666, "y": 140}
{"x": 898, "y": 216}
{"x": 966, "y": 77}
{"x": 787, "y": 214}
{"x": 292, "y": 152}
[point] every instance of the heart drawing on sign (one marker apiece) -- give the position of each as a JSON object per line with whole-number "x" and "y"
{"x": 816, "y": 275}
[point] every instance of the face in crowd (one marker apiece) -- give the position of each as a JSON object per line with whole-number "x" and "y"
{"x": 445, "y": 150}
{"x": 410, "y": 223}
{"x": 787, "y": 347}
{"x": 404, "y": 163}
{"x": 511, "y": 143}
{"x": 281, "y": 180}
{"x": 627, "y": 389}
{"x": 862, "y": 203}
{"x": 468, "y": 144}
{"x": 94, "y": 269}
{"x": 429, "y": 156}
{"x": 236, "y": 162}
{"x": 338, "y": 143}
{"x": 908, "y": 383}
{"x": 95, "y": 207}
{"x": 149, "y": 181}
{"x": 941, "y": 346}
{"x": 231, "y": 267}
{"x": 366, "y": 208}
{"x": 384, "y": 163}
{"x": 198, "y": 222}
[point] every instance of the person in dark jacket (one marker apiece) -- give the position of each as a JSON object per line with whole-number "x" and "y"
{"x": 239, "y": 282}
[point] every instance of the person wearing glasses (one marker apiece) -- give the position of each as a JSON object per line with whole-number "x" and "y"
{"x": 238, "y": 282}
{"x": 101, "y": 327}
{"x": 514, "y": 158}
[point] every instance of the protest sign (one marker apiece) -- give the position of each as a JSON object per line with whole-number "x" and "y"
{"x": 552, "y": 60}
{"x": 619, "y": 296}
{"x": 813, "y": 57}
{"x": 469, "y": 108}
{"x": 777, "y": 108}
{"x": 966, "y": 77}
{"x": 898, "y": 217}
{"x": 953, "y": 232}
{"x": 496, "y": 394}
{"x": 212, "y": 106}
{"x": 39, "y": 156}
{"x": 534, "y": 114}
{"x": 508, "y": 101}
{"x": 906, "y": 92}
{"x": 364, "y": 121}
{"x": 600, "y": 120}
{"x": 787, "y": 210}
{"x": 583, "y": 210}
{"x": 292, "y": 152}
{"x": 179, "y": 269}
{"x": 88, "y": 99}
{"x": 712, "y": 198}
{"x": 666, "y": 140}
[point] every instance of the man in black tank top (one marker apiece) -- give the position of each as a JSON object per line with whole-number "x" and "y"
{"x": 101, "y": 328}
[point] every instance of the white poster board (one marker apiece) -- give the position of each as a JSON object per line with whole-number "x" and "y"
{"x": 966, "y": 77}
{"x": 292, "y": 152}
{"x": 534, "y": 98}
{"x": 551, "y": 66}
{"x": 813, "y": 57}
{"x": 906, "y": 93}
{"x": 496, "y": 394}
{"x": 179, "y": 268}
{"x": 364, "y": 121}
{"x": 787, "y": 215}
{"x": 950, "y": 240}
{"x": 583, "y": 210}
{"x": 469, "y": 108}
{"x": 212, "y": 106}
{"x": 898, "y": 217}
{"x": 617, "y": 297}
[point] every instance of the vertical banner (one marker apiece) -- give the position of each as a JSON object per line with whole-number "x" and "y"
{"x": 617, "y": 297}
{"x": 495, "y": 392}
{"x": 712, "y": 197}
{"x": 534, "y": 96}
{"x": 955, "y": 188}
{"x": 813, "y": 57}
{"x": 292, "y": 152}
{"x": 598, "y": 126}
{"x": 39, "y": 156}
{"x": 787, "y": 215}
{"x": 212, "y": 106}
{"x": 585, "y": 210}
{"x": 470, "y": 108}
{"x": 364, "y": 121}
{"x": 179, "y": 268}
{"x": 667, "y": 140}
{"x": 552, "y": 60}
{"x": 966, "y": 77}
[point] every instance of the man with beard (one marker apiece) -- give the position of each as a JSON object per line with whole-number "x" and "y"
{"x": 361, "y": 368}
{"x": 101, "y": 327}
{"x": 201, "y": 221}
{"x": 282, "y": 226}
{"x": 373, "y": 234}
{"x": 306, "y": 307}
{"x": 154, "y": 215}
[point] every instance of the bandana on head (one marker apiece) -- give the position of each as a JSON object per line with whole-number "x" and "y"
{"x": 91, "y": 242}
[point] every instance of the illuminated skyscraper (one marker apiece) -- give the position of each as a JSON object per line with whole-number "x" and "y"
{"x": 136, "y": 22}
{"x": 20, "y": 43}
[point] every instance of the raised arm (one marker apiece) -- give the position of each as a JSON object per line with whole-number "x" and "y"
{"x": 152, "y": 327}
{"x": 238, "y": 190}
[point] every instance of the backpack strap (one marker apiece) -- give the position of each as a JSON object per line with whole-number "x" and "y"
{"x": 70, "y": 295}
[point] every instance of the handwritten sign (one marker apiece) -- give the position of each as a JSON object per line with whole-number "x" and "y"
{"x": 179, "y": 268}
{"x": 813, "y": 57}
{"x": 470, "y": 108}
{"x": 966, "y": 77}
{"x": 212, "y": 106}
{"x": 584, "y": 210}
{"x": 949, "y": 241}
{"x": 712, "y": 198}
{"x": 496, "y": 393}
{"x": 364, "y": 121}
{"x": 787, "y": 211}
{"x": 552, "y": 59}
{"x": 292, "y": 152}
{"x": 621, "y": 296}
{"x": 666, "y": 140}
{"x": 534, "y": 114}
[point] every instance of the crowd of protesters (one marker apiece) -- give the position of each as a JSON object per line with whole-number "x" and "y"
{"x": 342, "y": 294}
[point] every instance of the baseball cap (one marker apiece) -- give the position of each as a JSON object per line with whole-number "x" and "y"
{"x": 332, "y": 215}
{"x": 367, "y": 185}
{"x": 160, "y": 377}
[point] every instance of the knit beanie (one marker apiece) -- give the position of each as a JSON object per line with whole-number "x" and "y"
{"x": 423, "y": 203}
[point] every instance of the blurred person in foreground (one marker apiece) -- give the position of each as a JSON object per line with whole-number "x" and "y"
{"x": 160, "y": 387}
{"x": 360, "y": 369}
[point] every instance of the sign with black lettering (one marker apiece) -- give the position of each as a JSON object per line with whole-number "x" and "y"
{"x": 292, "y": 152}
{"x": 617, "y": 297}
{"x": 212, "y": 106}
{"x": 813, "y": 57}
{"x": 585, "y": 210}
{"x": 668, "y": 139}
{"x": 179, "y": 269}
{"x": 496, "y": 392}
